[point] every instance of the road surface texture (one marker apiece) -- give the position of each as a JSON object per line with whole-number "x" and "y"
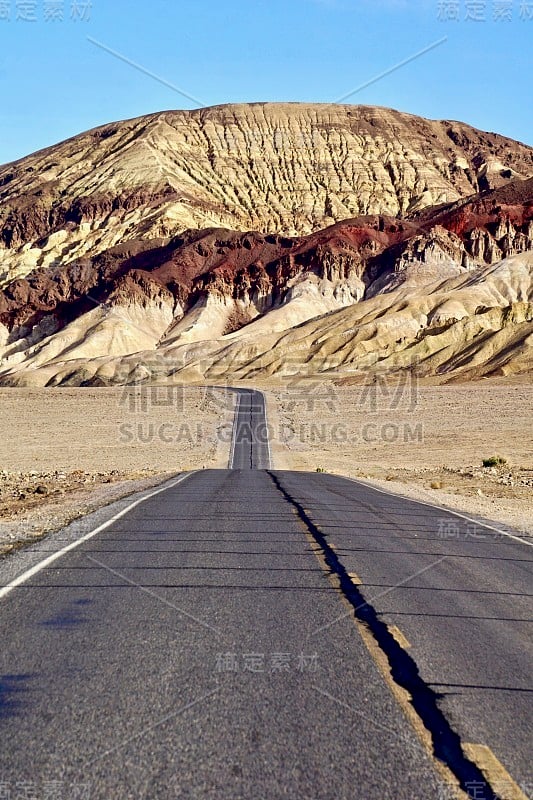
{"x": 250, "y": 448}
{"x": 248, "y": 633}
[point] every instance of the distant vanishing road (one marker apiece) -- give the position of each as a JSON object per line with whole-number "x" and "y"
{"x": 258, "y": 634}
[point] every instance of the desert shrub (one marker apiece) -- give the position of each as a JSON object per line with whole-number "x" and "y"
{"x": 494, "y": 461}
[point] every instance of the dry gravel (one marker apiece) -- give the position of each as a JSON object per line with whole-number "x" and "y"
{"x": 66, "y": 452}
{"x": 423, "y": 441}
{"x": 34, "y": 504}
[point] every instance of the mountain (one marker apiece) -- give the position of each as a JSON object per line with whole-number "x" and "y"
{"x": 244, "y": 240}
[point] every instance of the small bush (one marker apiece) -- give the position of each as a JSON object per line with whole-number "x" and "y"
{"x": 320, "y": 469}
{"x": 436, "y": 484}
{"x": 494, "y": 461}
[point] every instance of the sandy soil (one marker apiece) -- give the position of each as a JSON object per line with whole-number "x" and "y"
{"x": 164, "y": 429}
{"x": 26, "y": 515}
{"x": 427, "y": 442}
{"x": 66, "y": 452}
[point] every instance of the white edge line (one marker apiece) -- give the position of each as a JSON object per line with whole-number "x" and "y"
{"x": 5, "y": 590}
{"x": 234, "y": 432}
{"x": 441, "y": 508}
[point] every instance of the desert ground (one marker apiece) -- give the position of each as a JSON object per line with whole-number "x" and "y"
{"x": 65, "y": 452}
{"x": 424, "y": 441}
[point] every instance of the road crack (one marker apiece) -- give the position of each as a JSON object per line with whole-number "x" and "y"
{"x": 404, "y": 671}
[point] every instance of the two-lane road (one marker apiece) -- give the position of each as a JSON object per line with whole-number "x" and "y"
{"x": 229, "y": 636}
{"x": 250, "y": 445}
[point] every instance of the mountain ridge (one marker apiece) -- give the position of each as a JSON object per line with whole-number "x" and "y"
{"x": 244, "y": 167}
{"x": 75, "y": 259}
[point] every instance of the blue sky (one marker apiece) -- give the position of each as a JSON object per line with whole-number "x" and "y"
{"x": 56, "y": 83}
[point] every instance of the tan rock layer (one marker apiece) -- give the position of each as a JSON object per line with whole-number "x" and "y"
{"x": 111, "y": 245}
{"x": 290, "y": 168}
{"x": 380, "y": 252}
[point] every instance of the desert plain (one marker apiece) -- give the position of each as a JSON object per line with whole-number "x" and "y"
{"x": 67, "y": 451}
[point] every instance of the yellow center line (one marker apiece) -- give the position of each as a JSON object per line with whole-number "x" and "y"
{"x": 495, "y": 773}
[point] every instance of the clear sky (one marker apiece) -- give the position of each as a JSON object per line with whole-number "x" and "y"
{"x": 55, "y": 82}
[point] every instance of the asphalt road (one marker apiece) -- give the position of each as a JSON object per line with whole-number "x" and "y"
{"x": 197, "y": 648}
{"x": 250, "y": 448}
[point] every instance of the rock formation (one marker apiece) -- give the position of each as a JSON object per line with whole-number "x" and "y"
{"x": 199, "y": 245}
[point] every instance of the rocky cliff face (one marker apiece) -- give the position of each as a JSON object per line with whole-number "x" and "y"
{"x": 285, "y": 168}
{"x": 181, "y": 231}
